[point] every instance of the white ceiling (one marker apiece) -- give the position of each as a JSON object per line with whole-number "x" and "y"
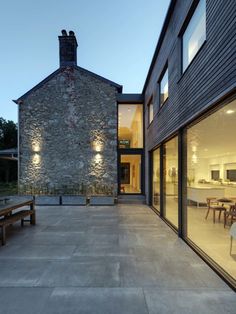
{"x": 215, "y": 136}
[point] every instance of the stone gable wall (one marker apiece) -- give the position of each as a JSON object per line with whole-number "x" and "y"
{"x": 68, "y": 136}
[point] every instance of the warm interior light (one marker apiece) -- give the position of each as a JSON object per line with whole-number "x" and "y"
{"x": 194, "y": 148}
{"x": 194, "y": 158}
{"x": 230, "y": 111}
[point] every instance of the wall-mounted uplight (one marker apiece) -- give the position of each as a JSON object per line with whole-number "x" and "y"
{"x": 35, "y": 147}
{"x": 230, "y": 111}
{"x": 98, "y": 146}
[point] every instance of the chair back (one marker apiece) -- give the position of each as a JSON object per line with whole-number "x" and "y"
{"x": 211, "y": 201}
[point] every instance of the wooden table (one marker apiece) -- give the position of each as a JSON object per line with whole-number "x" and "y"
{"x": 9, "y": 215}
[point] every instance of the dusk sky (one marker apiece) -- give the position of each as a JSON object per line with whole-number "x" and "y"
{"x": 116, "y": 40}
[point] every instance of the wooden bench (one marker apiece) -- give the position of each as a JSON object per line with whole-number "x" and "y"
{"x": 9, "y": 218}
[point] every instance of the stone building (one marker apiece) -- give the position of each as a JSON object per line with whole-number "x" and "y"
{"x": 68, "y": 130}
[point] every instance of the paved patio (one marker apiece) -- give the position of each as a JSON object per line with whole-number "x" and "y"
{"x": 105, "y": 260}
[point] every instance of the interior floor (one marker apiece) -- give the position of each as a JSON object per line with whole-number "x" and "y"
{"x": 212, "y": 238}
{"x": 128, "y": 188}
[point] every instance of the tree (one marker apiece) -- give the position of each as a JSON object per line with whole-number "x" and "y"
{"x": 8, "y": 134}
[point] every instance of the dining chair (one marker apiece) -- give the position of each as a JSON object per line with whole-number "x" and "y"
{"x": 232, "y": 233}
{"x": 230, "y": 215}
{"x": 213, "y": 204}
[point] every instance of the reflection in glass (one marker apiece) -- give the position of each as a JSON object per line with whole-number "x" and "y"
{"x": 156, "y": 179}
{"x": 130, "y": 126}
{"x": 130, "y": 174}
{"x": 195, "y": 34}
{"x": 164, "y": 89}
{"x": 170, "y": 165}
{"x": 211, "y": 174}
{"x": 150, "y": 112}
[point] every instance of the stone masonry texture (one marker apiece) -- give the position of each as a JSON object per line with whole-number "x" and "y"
{"x": 68, "y": 135}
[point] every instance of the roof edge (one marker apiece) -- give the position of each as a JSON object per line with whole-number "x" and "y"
{"x": 118, "y": 86}
{"x": 159, "y": 42}
{"x": 48, "y": 78}
{"x": 130, "y": 98}
{"x": 19, "y": 100}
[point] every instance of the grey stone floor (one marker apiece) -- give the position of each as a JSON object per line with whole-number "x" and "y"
{"x": 105, "y": 260}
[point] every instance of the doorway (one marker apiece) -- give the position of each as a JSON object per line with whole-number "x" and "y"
{"x": 130, "y": 174}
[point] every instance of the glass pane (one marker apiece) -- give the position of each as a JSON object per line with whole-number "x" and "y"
{"x": 130, "y": 174}
{"x": 211, "y": 177}
{"x": 164, "y": 88}
{"x": 195, "y": 34}
{"x": 156, "y": 179}
{"x": 150, "y": 112}
{"x": 170, "y": 165}
{"x": 130, "y": 126}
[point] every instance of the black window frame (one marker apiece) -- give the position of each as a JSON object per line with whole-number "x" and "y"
{"x": 186, "y": 23}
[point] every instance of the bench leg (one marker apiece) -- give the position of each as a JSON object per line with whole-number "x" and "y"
{"x": 22, "y": 222}
{"x": 32, "y": 219}
{"x": 3, "y": 235}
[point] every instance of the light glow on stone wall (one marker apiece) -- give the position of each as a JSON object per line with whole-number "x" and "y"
{"x": 98, "y": 158}
{"x": 36, "y": 147}
{"x": 97, "y": 146}
{"x": 97, "y": 140}
{"x": 36, "y": 159}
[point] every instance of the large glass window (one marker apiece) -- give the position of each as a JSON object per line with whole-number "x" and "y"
{"x": 130, "y": 174}
{"x": 130, "y": 126}
{"x": 170, "y": 168}
{"x": 211, "y": 186}
{"x": 164, "y": 88}
{"x": 156, "y": 179}
{"x": 195, "y": 34}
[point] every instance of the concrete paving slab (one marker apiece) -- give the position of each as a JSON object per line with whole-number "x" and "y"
{"x": 202, "y": 301}
{"x": 37, "y": 252}
{"x": 23, "y": 300}
{"x": 21, "y": 273}
{"x": 96, "y": 300}
{"x": 81, "y": 274}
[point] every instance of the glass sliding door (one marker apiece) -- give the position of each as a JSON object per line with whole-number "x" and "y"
{"x": 156, "y": 180}
{"x": 211, "y": 185}
{"x": 170, "y": 181}
{"x": 130, "y": 174}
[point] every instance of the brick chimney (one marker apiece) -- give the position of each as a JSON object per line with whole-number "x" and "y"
{"x": 68, "y": 49}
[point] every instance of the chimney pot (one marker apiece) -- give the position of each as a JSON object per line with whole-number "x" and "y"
{"x": 68, "y": 49}
{"x": 64, "y": 33}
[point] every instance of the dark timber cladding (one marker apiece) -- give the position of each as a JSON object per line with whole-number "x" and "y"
{"x": 211, "y": 73}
